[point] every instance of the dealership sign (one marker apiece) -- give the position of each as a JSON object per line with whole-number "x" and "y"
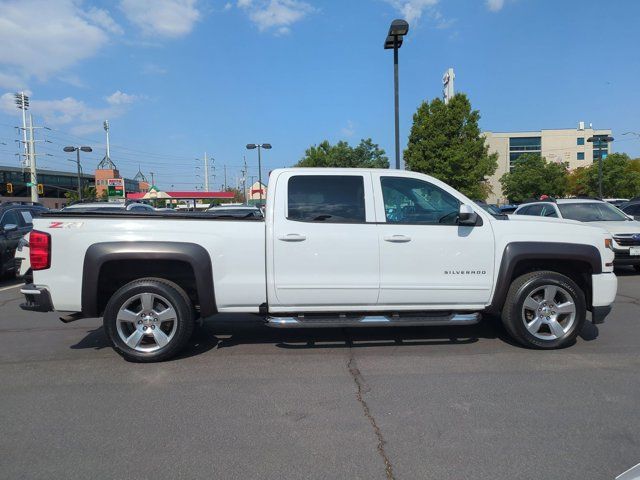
{"x": 115, "y": 189}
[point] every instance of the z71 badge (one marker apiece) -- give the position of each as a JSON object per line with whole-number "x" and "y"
{"x": 66, "y": 224}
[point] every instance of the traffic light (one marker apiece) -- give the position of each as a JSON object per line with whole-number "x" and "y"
{"x": 9, "y": 187}
{"x": 40, "y": 189}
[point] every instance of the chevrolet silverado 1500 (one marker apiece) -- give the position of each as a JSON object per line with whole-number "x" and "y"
{"x": 337, "y": 248}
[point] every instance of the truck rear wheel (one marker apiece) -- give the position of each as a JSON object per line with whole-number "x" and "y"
{"x": 149, "y": 320}
{"x": 544, "y": 310}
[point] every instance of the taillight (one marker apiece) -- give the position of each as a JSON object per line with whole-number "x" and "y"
{"x": 39, "y": 250}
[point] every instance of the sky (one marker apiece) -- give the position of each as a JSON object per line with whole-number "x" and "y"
{"x": 176, "y": 78}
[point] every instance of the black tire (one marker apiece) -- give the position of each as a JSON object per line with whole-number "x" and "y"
{"x": 181, "y": 331}
{"x": 636, "y": 268}
{"x": 513, "y": 315}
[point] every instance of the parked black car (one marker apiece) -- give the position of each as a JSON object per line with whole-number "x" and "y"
{"x": 632, "y": 208}
{"x": 15, "y": 222}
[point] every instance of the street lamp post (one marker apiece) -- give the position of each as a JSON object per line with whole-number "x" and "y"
{"x": 267, "y": 146}
{"x": 397, "y": 30}
{"x": 77, "y": 150}
{"x": 597, "y": 141}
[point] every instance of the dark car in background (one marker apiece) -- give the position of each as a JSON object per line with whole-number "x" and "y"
{"x": 16, "y": 220}
{"x": 631, "y": 208}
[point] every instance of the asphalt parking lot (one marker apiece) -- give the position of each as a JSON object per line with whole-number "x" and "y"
{"x": 248, "y": 402}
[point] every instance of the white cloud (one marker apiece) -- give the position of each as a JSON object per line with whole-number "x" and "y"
{"x": 349, "y": 130}
{"x": 120, "y": 98}
{"x": 495, "y": 5}
{"x": 153, "y": 69}
{"x": 278, "y": 15}
{"x": 412, "y": 10}
{"x": 11, "y": 82}
{"x": 43, "y": 37}
{"x": 165, "y": 18}
{"x": 74, "y": 113}
{"x": 103, "y": 18}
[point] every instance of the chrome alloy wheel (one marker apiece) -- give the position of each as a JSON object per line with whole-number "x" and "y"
{"x": 146, "y": 322}
{"x": 549, "y": 312}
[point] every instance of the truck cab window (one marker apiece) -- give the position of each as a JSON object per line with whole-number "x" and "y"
{"x": 326, "y": 198}
{"x": 408, "y": 200}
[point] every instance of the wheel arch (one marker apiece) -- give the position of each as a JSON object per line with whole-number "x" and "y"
{"x": 186, "y": 262}
{"x": 577, "y": 261}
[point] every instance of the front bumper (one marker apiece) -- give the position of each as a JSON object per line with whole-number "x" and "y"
{"x": 37, "y": 299}
{"x": 623, "y": 258}
{"x": 598, "y": 314}
{"x": 604, "y": 287}
{"x": 622, "y": 255}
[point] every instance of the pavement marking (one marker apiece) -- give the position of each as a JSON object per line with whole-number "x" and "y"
{"x": 10, "y": 287}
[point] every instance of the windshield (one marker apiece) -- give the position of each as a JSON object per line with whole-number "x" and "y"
{"x": 592, "y": 212}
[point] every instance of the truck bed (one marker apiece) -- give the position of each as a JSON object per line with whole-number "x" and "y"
{"x": 235, "y": 246}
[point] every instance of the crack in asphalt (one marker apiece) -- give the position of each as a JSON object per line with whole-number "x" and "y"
{"x": 632, "y": 300}
{"x": 361, "y": 390}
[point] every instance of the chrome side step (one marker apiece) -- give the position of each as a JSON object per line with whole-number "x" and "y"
{"x": 344, "y": 321}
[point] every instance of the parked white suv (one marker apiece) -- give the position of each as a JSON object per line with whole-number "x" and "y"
{"x": 624, "y": 229}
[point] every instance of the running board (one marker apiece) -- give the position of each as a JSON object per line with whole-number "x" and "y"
{"x": 343, "y": 321}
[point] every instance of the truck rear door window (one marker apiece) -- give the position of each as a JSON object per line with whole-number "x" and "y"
{"x": 326, "y": 198}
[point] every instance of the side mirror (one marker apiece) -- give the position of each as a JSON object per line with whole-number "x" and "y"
{"x": 466, "y": 216}
{"x": 10, "y": 227}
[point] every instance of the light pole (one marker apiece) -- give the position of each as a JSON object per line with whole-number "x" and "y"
{"x": 77, "y": 150}
{"x": 597, "y": 141}
{"x": 267, "y": 146}
{"x": 397, "y": 30}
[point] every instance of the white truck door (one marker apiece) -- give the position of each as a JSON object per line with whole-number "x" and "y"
{"x": 426, "y": 258}
{"x": 323, "y": 242}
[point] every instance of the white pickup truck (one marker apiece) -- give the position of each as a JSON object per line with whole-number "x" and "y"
{"x": 337, "y": 248}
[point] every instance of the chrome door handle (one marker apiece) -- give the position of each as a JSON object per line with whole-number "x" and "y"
{"x": 292, "y": 237}
{"x": 397, "y": 238}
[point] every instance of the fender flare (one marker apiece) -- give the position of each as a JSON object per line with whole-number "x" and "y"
{"x": 100, "y": 253}
{"x": 518, "y": 251}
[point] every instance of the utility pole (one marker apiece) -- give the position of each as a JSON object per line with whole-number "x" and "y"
{"x": 32, "y": 163}
{"x": 244, "y": 179}
{"x": 22, "y": 102}
{"x": 206, "y": 173}
{"x": 251, "y": 182}
{"x": 225, "y": 178}
{"x": 153, "y": 181}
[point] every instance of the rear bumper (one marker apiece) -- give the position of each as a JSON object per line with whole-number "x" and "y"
{"x": 37, "y": 299}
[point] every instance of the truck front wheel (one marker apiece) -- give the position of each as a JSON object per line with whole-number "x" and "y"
{"x": 149, "y": 320}
{"x": 544, "y": 310}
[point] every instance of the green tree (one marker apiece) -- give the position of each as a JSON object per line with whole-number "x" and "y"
{"x": 88, "y": 193}
{"x": 365, "y": 155}
{"x": 533, "y": 176}
{"x": 620, "y": 177}
{"x": 445, "y": 142}
{"x": 578, "y": 182}
{"x": 237, "y": 194}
